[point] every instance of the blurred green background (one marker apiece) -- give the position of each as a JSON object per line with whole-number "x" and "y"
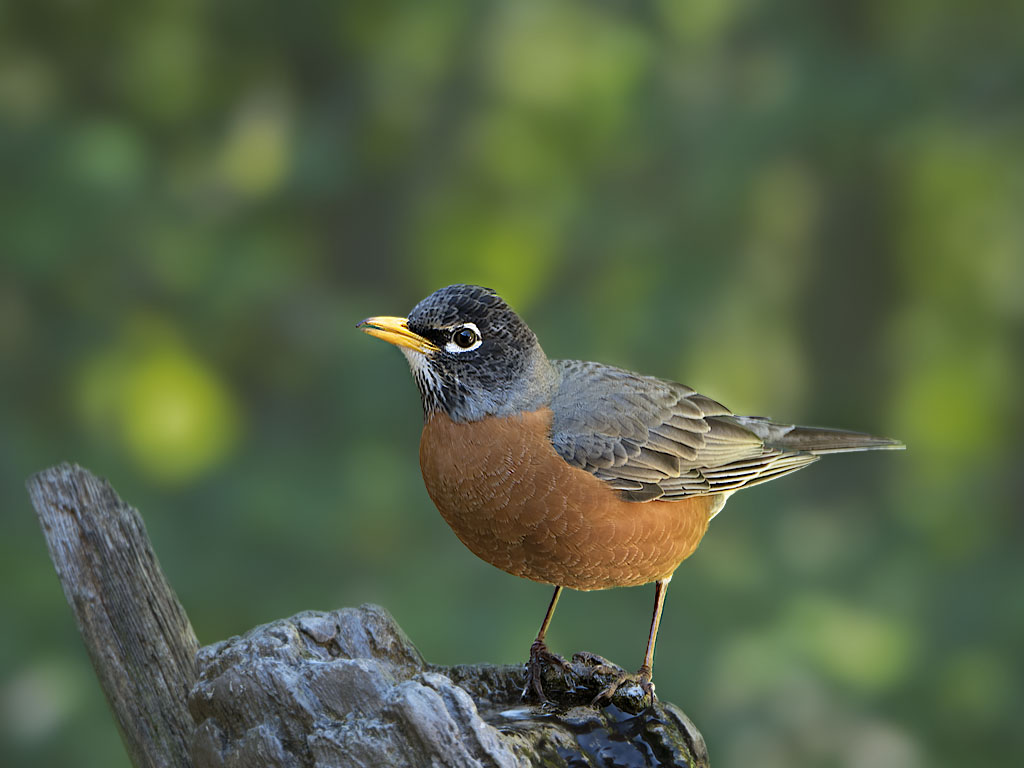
{"x": 810, "y": 211}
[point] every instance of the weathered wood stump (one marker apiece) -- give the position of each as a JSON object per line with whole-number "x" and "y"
{"x": 343, "y": 688}
{"x": 137, "y": 634}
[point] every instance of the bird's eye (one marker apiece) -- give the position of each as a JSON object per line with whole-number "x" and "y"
{"x": 464, "y": 338}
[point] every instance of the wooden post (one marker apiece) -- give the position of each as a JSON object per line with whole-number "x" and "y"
{"x": 137, "y": 634}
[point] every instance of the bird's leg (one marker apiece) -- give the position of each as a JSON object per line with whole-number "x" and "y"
{"x": 540, "y": 655}
{"x": 644, "y": 674}
{"x": 646, "y": 671}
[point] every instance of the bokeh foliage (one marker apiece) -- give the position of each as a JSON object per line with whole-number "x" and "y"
{"x": 803, "y": 209}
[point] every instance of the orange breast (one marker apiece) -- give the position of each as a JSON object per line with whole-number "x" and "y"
{"x": 515, "y": 503}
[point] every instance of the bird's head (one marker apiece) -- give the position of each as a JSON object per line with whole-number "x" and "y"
{"x": 472, "y": 356}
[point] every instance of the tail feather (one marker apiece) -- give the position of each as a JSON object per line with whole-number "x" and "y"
{"x": 816, "y": 440}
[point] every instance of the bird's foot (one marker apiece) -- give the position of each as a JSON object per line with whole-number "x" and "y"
{"x": 541, "y": 657}
{"x": 642, "y": 679}
{"x": 630, "y": 693}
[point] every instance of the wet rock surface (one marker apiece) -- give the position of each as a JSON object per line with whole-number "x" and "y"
{"x": 348, "y": 688}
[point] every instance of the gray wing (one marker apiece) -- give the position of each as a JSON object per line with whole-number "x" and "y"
{"x": 649, "y": 438}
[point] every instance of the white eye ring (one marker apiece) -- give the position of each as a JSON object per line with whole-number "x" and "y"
{"x": 454, "y": 348}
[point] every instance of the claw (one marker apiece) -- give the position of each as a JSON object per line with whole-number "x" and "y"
{"x": 540, "y": 657}
{"x": 642, "y": 678}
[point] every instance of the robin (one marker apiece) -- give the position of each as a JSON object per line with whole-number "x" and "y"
{"x": 577, "y": 474}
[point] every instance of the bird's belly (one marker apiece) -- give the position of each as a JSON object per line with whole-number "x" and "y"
{"x": 518, "y": 505}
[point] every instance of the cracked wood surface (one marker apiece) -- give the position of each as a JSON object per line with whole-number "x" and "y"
{"x": 137, "y": 634}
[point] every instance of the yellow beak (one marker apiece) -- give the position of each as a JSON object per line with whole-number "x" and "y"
{"x": 395, "y": 330}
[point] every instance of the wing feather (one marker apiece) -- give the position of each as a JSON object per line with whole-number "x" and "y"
{"x": 650, "y": 438}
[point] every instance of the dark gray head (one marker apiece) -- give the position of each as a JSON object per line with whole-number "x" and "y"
{"x": 471, "y": 354}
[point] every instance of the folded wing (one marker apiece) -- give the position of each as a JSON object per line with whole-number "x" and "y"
{"x": 650, "y": 438}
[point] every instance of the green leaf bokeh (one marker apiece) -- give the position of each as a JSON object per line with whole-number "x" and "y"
{"x": 811, "y": 211}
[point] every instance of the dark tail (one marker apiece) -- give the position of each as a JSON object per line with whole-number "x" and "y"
{"x": 816, "y": 440}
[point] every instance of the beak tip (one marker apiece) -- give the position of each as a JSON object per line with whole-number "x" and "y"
{"x": 395, "y": 330}
{"x": 367, "y": 324}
